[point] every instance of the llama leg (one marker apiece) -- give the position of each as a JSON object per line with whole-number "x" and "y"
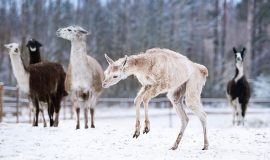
{"x": 57, "y": 110}
{"x": 92, "y": 111}
{"x": 238, "y": 113}
{"x": 231, "y": 104}
{"x": 78, "y": 118}
{"x": 137, "y": 102}
{"x": 42, "y": 113}
{"x": 86, "y": 117}
{"x": 244, "y": 109}
{"x": 36, "y": 112}
{"x": 50, "y": 109}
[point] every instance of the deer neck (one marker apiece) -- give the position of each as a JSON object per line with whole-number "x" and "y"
{"x": 21, "y": 75}
{"x": 79, "y": 65}
{"x": 139, "y": 71}
{"x": 239, "y": 73}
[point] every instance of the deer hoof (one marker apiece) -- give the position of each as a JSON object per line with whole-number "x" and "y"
{"x": 93, "y": 126}
{"x": 86, "y": 126}
{"x": 136, "y": 134}
{"x": 205, "y": 148}
{"x": 77, "y": 127}
{"x": 146, "y": 130}
{"x": 174, "y": 148}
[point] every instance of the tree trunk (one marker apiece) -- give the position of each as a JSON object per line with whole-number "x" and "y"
{"x": 249, "y": 38}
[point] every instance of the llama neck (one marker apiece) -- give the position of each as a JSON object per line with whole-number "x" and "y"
{"x": 20, "y": 73}
{"x": 34, "y": 56}
{"x": 79, "y": 65}
{"x": 239, "y": 71}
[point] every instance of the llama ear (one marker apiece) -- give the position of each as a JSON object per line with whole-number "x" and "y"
{"x": 7, "y": 46}
{"x": 234, "y": 50}
{"x": 84, "y": 32}
{"x": 243, "y": 50}
{"x": 39, "y": 44}
{"x": 125, "y": 61}
{"x": 109, "y": 60}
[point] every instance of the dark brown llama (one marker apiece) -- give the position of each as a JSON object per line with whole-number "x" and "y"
{"x": 43, "y": 82}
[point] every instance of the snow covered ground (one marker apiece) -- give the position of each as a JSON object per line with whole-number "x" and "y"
{"x": 112, "y": 138}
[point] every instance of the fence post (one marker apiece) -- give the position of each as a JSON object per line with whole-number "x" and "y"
{"x": 1, "y": 100}
{"x": 64, "y": 104}
{"x": 30, "y": 111}
{"x": 17, "y": 103}
{"x": 170, "y": 114}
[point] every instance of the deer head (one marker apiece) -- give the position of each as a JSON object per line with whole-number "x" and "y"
{"x": 115, "y": 72}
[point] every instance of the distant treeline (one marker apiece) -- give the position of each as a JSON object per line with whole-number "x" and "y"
{"x": 205, "y": 31}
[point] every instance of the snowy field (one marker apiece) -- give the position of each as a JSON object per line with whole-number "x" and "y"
{"x": 112, "y": 138}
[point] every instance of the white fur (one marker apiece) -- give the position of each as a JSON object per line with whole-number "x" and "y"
{"x": 33, "y": 49}
{"x": 239, "y": 66}
{"x": 18, "y": 69}
{"x": 78, "y": 60}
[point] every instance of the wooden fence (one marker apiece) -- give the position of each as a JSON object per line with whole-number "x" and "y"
{"x": 14, "y": 105}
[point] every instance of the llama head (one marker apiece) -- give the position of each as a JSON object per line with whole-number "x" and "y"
{"x": 13, "y": 48}
{"x": 33, "y": 45}
{"x": 72, "y": 33}
{"x": 239, "y": 56}
{"x": 115, "y": 72}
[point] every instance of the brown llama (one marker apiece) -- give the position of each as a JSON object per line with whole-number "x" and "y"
{"x": 38, "y": 81}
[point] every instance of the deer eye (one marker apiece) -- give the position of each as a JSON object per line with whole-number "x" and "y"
{"x": 16, "y": 50}
{"x": 115, "y": 76}
{"x": 69, "y": 30}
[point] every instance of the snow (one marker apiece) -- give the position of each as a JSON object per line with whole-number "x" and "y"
{"x": 112, "y": 138}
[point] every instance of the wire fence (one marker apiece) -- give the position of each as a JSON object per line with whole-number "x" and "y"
{"x": 15, "y": 107}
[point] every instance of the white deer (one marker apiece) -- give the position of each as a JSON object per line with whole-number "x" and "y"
{"x": 162, "y": 71}
{"x": 84, "y": 75}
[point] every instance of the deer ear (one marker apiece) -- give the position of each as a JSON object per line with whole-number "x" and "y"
{"x": 109, "y": 60}
{"x": 125, "y": 61}
{"x": 234, "y": 50}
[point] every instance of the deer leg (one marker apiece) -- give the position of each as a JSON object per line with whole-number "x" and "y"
{"x": 138, "y": 100}
{"x": 146, "y": 118}
{"x": 177, "y": 98}
{"x": 202, "y": 116}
